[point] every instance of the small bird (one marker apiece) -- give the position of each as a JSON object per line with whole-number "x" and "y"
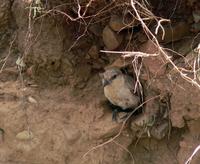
{"x": 119, "y": 90}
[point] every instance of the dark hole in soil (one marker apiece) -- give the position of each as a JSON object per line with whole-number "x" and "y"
{"x": 128, "y": 110}
{"x": 188, "y": 109}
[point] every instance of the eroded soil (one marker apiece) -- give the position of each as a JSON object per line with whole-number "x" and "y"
{"x": 53, "y": 110}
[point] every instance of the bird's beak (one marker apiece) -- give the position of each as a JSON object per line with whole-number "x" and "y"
{"x": 105, "y": 82}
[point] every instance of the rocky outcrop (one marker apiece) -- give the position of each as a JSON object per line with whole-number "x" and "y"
{"x": 111, "y": 39}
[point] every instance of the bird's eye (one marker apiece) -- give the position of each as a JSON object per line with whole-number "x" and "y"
{"x": 114, "y": 76}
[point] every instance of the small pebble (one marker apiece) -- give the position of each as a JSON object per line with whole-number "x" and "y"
{"x": 24, "y": 135}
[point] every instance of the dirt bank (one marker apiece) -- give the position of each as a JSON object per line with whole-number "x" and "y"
{"x": 52, "y": 106}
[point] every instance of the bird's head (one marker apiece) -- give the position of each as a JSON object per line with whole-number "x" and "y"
{"x": 109, "y": 75}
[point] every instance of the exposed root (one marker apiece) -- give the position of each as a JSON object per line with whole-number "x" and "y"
{"x": 8, "y": 55}
{"x": 193, "y": 154}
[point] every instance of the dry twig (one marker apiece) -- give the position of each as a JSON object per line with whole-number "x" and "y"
{"x": 193, "y": 154}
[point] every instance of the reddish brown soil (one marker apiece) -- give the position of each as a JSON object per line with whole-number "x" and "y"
{"x": 58, "y": 97}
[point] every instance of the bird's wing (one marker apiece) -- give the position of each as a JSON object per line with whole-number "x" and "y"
{"x": 130, "y": 82}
